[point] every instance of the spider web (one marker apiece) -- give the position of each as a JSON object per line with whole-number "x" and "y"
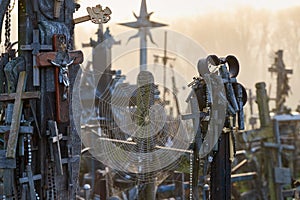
{"x": 109, "y": 120}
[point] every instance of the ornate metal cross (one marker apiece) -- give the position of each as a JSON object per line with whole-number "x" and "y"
{"x": 96, "y": 14}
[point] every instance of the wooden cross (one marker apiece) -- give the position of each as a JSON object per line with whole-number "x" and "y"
{"x": 54, "y": 139}
{"x": 15, "y": 128}
{"x": 35, "y": 47}
{"x": 30, "y": 180}
{"x": 96, "y": 14}
{"x": 282, "y": 80}
{"x": 60, "y": 56}
{"x": 16, "y": 117}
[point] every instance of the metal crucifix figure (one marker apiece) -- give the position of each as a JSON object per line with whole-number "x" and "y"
{"x": 63, "y": 71}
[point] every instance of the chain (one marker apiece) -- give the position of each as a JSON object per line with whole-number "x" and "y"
{"x": 29, "y": 150}
{"x": 12, "y": 7}
{"x": 7, "y": 27}
{"x": 191, "y": 175}
{"x": 51, "y": 183}
{"x": 30, "y": 159}
{"x": 49, "y": 189}
{"x": 18, "y": 171}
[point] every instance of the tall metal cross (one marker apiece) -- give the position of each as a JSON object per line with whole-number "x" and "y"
{"x": 165, "y": 59}
{"x": 35, "y": 47}
{"x": 143, "y": 24}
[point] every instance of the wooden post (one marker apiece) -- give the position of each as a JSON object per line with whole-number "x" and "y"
{"x": 262, "y": 101}
{"x": 145, "y": 99}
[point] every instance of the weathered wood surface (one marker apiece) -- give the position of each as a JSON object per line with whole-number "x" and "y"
{"x": 6, "y": 163}
{"x": 24, "y": 96}
{"x": 22, "y": 129}
{"x": 55, "y": 137}
{"x": 16, "y": 117}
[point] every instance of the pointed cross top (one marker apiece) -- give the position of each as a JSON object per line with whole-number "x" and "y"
{"x": 143, "y": 10}
{"x": 144, "y": 19}
{"x": 143, "y": 23}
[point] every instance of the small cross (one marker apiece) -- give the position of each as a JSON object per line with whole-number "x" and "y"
{"x": 54, "y": 139}
{"x": 196, "y": 113}
{"x": 35, "y": 47}
{"x": 69, "y": 161}
{"x": 30, "y": 180}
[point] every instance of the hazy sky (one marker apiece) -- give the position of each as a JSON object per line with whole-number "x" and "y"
{"x": 169, "y": 11}
{"x": 173, "y": 11}
{"x": 166, "y": 9}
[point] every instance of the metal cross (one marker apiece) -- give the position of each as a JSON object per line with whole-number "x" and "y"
{"x": 196, "y": 114}
{"x": 96, "y": 14}
{"x": 35, "y": 47}
{"x": 143, "y": 24}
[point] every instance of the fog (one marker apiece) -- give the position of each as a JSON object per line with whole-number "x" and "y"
{"x": 253, "y": 35}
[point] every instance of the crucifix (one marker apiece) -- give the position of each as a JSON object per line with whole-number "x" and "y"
{"x": 61, "y": 59}
{"x": 35, "y": 47}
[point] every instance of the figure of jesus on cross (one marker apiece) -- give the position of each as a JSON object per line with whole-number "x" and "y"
{"x": 63, "y": 71}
